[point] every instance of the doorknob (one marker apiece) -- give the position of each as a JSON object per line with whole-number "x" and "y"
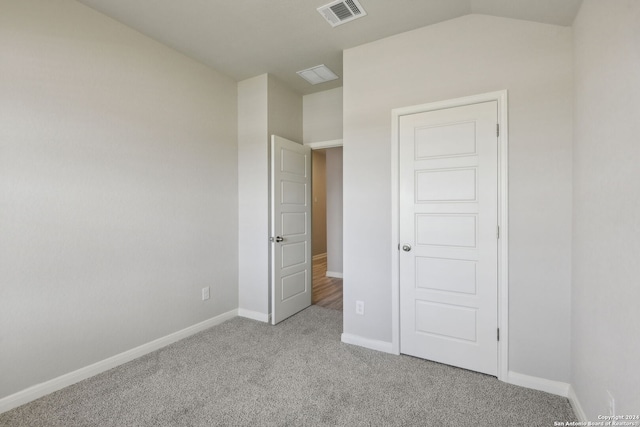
{"x": 277, "y": 239}
{"x": 406, "y": 248}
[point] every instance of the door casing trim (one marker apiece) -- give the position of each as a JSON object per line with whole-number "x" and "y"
{"x": 320, "y": 145}
{"x": 503, "y": 216}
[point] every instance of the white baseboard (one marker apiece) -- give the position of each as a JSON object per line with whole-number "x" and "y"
{"x": 554, "y": 387}
{"x": 37, "y": 391}
{"x": 367, "y": 343}
{"x": 319, "y": 256}
{"x": 334, "y": 274}
{"x": 254, "y": 315}
{"x": 575, "y": 404}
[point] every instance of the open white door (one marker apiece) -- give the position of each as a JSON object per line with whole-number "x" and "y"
{"x": 448, "y": 236}
{"x": 290, "y": 228}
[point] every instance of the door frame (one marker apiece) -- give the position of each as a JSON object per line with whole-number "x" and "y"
{"x": 320, "y": 145}
{"x": 503, "y": 216}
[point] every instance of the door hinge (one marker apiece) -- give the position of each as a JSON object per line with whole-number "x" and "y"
{"x": 497, "y": 231}
{"x": 497, "y": 129}
{"x": 498, "y": 334}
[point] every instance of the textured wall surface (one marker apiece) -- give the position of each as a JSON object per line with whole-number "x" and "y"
{"x": 467, "y": 56}
{"x": 118, "y": 190}
{"x": 606, "y": 207}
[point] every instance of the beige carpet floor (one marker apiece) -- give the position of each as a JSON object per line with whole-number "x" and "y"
{"x": 246, "y": 373}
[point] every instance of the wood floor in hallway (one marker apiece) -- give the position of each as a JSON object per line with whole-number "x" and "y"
{"x": 327, "y": 291}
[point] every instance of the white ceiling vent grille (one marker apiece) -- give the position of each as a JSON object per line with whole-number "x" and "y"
{"x": 318, "y": 74}
{"x": 341, "y": 11}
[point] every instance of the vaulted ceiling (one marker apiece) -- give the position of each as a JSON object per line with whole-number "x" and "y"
{"x": 245, "y": 38}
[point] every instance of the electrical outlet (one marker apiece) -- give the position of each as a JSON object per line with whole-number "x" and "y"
{"x": 360, "y": 307}
{"x": 612, "y": 403}
{"x": 205, "y": 293}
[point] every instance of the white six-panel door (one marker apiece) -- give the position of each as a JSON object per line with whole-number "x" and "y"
{"x": 290, "y": 228}
{"x": 448, "y": 236}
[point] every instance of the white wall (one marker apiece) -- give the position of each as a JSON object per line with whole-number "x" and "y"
{"x": 318, "y": 202}
{"x": 285, "y": 111}
{"x": 466, "y": 56}
{"x": 606, "y": 207}
{"x": 322, "y": 119}
{"x": 265, "y": 107}
{"x": 253, "y": 195}
{"x": 118, "y": 190}
{"x": 334, "y": 209}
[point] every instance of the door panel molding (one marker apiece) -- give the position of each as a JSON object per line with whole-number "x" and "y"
{"x": 290, "y": 228}
{"x": 503, "y": 265}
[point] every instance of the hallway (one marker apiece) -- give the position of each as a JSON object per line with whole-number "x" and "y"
{"x": 327, "y": 291}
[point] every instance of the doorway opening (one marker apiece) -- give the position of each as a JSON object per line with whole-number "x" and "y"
{"x": 326, "y": 227}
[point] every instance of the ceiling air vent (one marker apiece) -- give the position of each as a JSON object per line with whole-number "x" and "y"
{"x": 318, "y": 74}
{"x": 341, "y": 11}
